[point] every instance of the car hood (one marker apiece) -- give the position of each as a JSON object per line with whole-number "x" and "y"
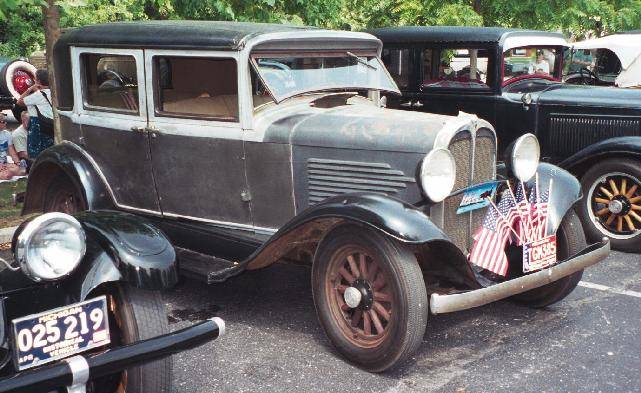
{"x": 593, "y": 96}
{"x": 357, "y": 124}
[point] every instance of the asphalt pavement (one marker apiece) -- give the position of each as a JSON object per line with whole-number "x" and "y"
{"x": 590, "y": 342}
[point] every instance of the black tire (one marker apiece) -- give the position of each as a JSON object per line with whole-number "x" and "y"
{"x": 403, "y": 284}
{"x": 140, "y": 314}
{"x": 570, "y": 240}
{"x": 595, "y": 228}
{"x": 63, "y": 196}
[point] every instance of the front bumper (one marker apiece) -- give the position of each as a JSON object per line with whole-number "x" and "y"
{"x": 74, "y": 372}
{"x": 440, "y": 304}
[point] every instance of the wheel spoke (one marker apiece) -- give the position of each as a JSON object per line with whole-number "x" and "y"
{"x": 352, "y": 266}
{"x": 380, "y": 310}
{"x": 356, "y": 318}
{"x": 377, "y": 322}
{"x": 636, "y": 207}
{"x": 341, "y": 288}
{"x": 382, "y": 297}
{"x": 371, "y": 276}
{"x": 610, "y": 219}
{"x": 379, "y": 282}
{"x": 635, "y": 199}
{"x": 635, "y": 215}
{"x": 628, "y": 220}
{"x": 602, "y": 200}
{"x": 619, "y": 224}
{"x": 603, "y": 211}
{"x": 367, "y": 324}
{"x": 606, "y": 192}
{"x": 342, "y": 304}
{"x": 613, "y": 187}
{"x": 346, "y": 275}
{"x": 631, "y": 191}
{"x": 362, "y": 265}
{"x": 624, "y": 185}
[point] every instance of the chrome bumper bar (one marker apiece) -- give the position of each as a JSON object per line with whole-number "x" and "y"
{"x": 440, "y": 304}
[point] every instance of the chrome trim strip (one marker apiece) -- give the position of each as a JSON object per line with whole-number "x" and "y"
{"x": 226, "y": 224}
{"x": 440, "y": 304}
{"x": 79, "y": 374}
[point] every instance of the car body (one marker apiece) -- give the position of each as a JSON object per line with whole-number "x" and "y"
{"x": 616, "y": 58}
{"x": 251, "y": 143}
{"x": 581, "y": 128}
{"x": 79, "y": 286}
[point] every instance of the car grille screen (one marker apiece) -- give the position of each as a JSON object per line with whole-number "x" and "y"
{"x": 475, "y": 163}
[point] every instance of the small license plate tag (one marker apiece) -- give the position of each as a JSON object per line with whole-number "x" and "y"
{"x": 539, "y": 254}
{"x": 59, "y": 333}
{"x": 477, "y": 197}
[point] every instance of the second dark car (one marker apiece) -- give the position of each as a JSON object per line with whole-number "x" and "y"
{"x": 512, "y": 78}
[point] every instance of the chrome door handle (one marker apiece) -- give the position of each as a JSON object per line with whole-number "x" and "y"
{"x": 138, "y": 129}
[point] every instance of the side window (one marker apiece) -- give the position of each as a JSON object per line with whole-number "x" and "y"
{"x": 457, "y": 69}
{"x": 397, "y": 63}
{"x": 110, "y": 82}
{"x": 196, "y": 87}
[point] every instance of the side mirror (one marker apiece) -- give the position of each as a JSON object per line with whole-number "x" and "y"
{"x": 383, "y": 102}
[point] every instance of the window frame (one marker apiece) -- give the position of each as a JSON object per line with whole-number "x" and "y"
{"x": 156, "y": 113}
{"x": 81, "y": 106}
{"x": 491, "y": 80}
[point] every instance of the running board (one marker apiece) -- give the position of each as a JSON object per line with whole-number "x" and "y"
{"x": 206, "y": 268}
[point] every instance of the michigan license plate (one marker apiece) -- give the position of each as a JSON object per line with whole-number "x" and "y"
{"x": 539, "y": 254}
{"x": 59, "y": 333}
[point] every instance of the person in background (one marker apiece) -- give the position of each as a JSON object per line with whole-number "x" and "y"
{"x": 7, "y": 170}
{"x": 19, "y": 136}
{"x": 37, "y": 99}
{"x": 541, "y": 66}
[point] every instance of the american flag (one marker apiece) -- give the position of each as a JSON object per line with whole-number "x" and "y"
{"x": 488, "y": 251}
{"x": 532, "y": 214}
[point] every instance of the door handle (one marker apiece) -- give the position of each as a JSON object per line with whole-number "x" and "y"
{"x": 138, "y": 129}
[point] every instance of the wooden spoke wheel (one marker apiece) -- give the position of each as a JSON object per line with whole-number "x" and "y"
{"x": 612, "y": 205}
{"x": 370, "y": 297}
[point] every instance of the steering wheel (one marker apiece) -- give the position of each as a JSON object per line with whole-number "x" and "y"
{"x": 587, "y": 76}
{"x": 118, "y": 79}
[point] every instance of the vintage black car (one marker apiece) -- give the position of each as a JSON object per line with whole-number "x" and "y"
{"x": 512, "y": 78}
{"x": 78, "y": 298}
{"x": 251, "y": 143}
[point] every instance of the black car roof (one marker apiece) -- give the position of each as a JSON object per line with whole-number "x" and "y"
{"x": 171, "y": 34}
{"x": 450, "y": 34}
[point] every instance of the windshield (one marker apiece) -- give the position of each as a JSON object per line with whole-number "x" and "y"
{"x": 536, "y": 61}
{"x": 294, "y": 74}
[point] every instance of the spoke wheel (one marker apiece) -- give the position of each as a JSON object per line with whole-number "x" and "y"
{"x": 359, "y": 297}
{"x": 612, "y": 204}
{"x": 370, "y": 297}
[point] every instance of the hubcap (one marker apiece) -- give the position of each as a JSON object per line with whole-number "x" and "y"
{"x": 352, "y": 297}
{"x": 615, "y": 205}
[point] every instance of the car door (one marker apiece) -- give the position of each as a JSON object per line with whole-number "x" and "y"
{"x": 195, "y": 136}
{"x": 111, "y": 110}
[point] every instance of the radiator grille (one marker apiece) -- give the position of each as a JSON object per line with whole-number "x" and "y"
{"x": 568, "y": 134}
{"x": 475, "y": 163}
{"x": 328, "y": 178}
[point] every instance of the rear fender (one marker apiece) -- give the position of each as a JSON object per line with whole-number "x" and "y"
{"x": 580, "y": 162}
{"x": 67, "y": 159}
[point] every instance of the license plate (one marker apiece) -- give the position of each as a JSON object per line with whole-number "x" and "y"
{"x": 477, "y": 197}
{"x": 59, "y": 333}
{"x": 539, "y": 254}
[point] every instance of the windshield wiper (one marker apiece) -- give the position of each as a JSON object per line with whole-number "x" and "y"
{"x": 358, "y": 59}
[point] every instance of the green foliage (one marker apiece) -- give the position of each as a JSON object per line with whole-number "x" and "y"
{"x": 22, "y": 31}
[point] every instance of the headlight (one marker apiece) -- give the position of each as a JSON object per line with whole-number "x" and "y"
{"x": 524, "y": 157}
{"x": 50, "y": 246}
{"x": 438, "y": 174}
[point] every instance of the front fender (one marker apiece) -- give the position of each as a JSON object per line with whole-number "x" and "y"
{"x": 123, "y": 247}
{"x": 563, "y": 188}
{"x": 67, "y": 159}
{"x": 617, "y": 147}
{"x": 393, "y": 217}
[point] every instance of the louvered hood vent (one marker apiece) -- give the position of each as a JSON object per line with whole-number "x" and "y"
{"x": 328, "y": 178}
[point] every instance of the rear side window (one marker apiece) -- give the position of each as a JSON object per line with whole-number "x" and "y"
{"x": 397, "y": 63}
{"x": 196, "y": 87}
{"x": 455, "y": 68}
{"x": 110, "y": 82}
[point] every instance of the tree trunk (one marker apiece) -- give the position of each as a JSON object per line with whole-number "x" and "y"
{"x": 52, "y": 32}
{"x": 476, "y": 5}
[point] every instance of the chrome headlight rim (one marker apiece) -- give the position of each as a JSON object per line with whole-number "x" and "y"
{"x": 32, "y": 228}
{"x": 518, "y": 162}
{"x": 428, "y": 161}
